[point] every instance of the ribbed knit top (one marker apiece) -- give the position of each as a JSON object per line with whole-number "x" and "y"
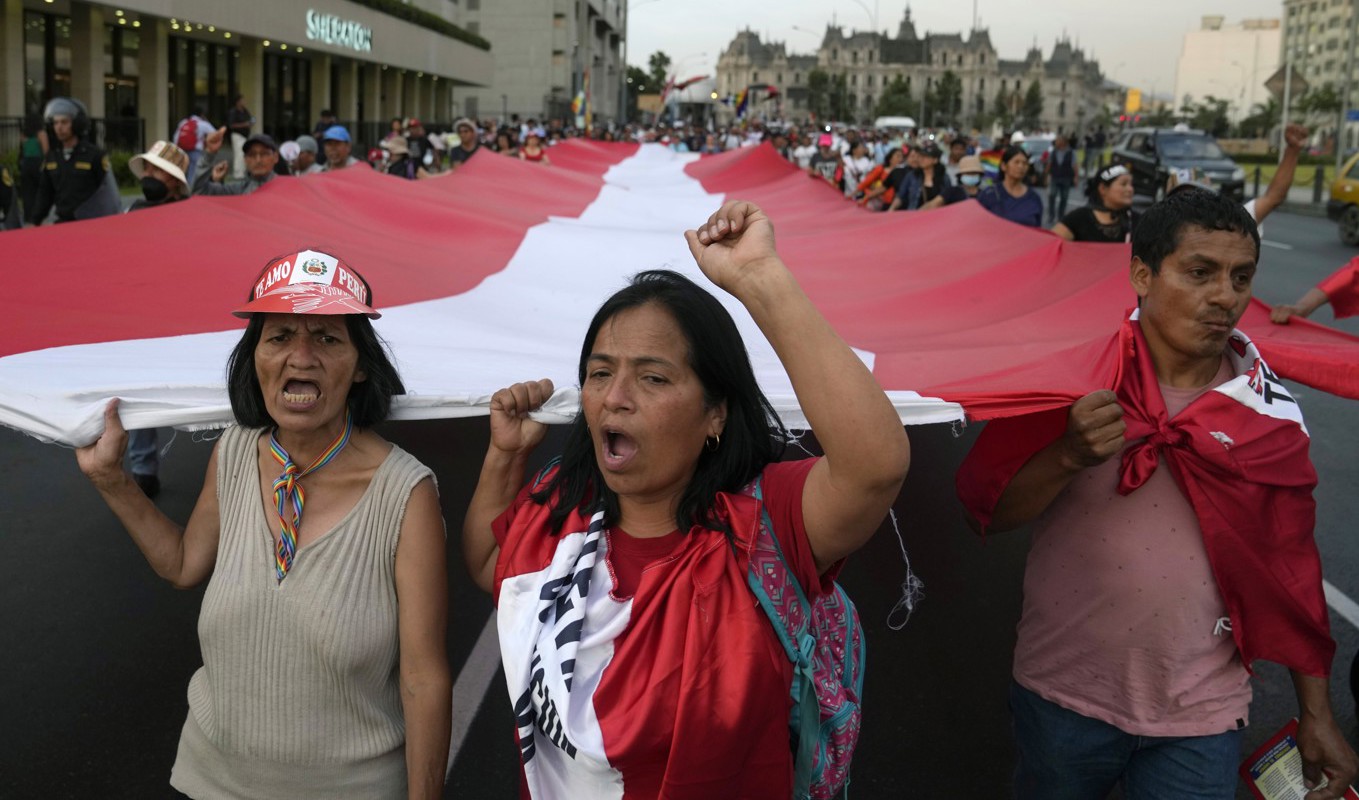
{"x": 298, "y": 694}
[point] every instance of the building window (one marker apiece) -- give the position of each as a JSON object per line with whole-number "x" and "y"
{"x": 960, "y": 59}
{"x": 286, "y": 104}
{"x": 869, "y": 82}
{"x": 981, "y": 58}
{"x": 47, "y": 59}
{"x": 754, "y": 77}
{"x": 854, "y": 57}
{"x": 474, "y": 27}
{"x": 1061, "y": 109}
{"x": 853, "y": 80}
{"x": 981, "y": 85}
{"x": 205, "y": 74}
{"x": 120, "y": 72}
{"x": 797, "y": 77}
{"x": 835, "y": 54}
{"x": 778, "y": 78}
{"x": 1063, "y": 86}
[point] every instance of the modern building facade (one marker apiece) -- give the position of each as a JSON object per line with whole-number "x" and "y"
{"x": 547, "y": 51}
{"x": 1319, "y": 40}
{"x": 1071, "y": 82}
{"x": 144, "y": 64}
{"x": 1229, "y": 62}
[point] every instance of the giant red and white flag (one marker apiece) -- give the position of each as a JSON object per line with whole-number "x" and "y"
{"x": 490, "y": 275}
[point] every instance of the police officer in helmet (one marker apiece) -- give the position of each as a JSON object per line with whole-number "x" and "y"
{"x": 75, "y": 178}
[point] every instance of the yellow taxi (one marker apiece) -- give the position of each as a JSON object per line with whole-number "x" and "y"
{"x": 1343, "y": 207}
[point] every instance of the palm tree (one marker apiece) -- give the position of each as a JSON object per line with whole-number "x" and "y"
{"x": 1263, "y": 117}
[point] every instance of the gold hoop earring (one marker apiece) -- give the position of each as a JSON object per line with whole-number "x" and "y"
{"x": 713, "y": 442}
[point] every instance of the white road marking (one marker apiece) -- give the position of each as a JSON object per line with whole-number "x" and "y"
{"x": 1341, "y": 604}
{"x": 474, "y": 680}
{"x": 1276, "y": 245}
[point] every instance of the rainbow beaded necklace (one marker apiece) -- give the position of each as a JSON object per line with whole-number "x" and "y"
{"x": 288, "y": 491}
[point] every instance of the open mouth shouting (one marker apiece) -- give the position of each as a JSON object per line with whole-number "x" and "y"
{"x": 618, "y": 449}
{"x": 300, "y": 395}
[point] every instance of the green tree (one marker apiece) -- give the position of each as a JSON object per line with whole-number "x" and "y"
{"x": 945, "y": 100}
{"x": 1001, "y": 108}
{"x": 639, "y": 82}
{"x": 1319, "y": 102}
{"x": 1209, "y": 116}
{"x": 658, "y": 66}
{"x": 1031, "y": 114}
{"x": 896, "y": 100}
{"x": 841, "y": 102}
{"x": 1263, "y": 117}
{"x": 1162, "y": 117}
{"x": 818, "y": 93}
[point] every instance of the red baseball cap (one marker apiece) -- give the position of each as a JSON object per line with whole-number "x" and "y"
{"x": 309, "y": 282}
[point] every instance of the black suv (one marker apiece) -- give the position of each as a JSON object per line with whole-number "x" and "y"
{"x": 1154, "y": 154}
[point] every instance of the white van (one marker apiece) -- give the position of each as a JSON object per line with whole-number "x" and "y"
{"x": 902, "y": 123}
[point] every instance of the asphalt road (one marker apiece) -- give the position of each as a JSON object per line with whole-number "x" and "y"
{"x": 98, "y": 651}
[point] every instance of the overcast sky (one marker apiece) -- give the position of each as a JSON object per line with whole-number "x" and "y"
{"x": 1136, "y": 43}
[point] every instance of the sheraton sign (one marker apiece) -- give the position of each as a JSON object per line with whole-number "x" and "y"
{"x": 330, "y": 29}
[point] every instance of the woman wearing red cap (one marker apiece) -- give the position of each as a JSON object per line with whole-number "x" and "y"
{"x": 322, "y": 628}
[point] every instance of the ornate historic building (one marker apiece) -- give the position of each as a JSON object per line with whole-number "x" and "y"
{"x": 1071, "y": 83}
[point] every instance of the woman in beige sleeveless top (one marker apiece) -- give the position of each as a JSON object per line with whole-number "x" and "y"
{"x": 324, "y": 670}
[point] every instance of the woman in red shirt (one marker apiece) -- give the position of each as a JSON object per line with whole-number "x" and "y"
{"x": 533, "y": 149}
{"x": 637, "y": 662}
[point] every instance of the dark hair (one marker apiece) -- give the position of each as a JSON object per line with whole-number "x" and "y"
{"x": 1157, "y": 234}
{"x": 369, "y": 401}
{"x": 1097, "y": 180}
{"x": 1012, "y": 151}
{"x": 325, "y": 112}
{"x": 752, "y": 437}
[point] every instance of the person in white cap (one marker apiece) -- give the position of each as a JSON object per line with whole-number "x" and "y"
{"x": 467, "y": 146}
{"x": 325, "y": 669}
{"x": 307, "y": 150}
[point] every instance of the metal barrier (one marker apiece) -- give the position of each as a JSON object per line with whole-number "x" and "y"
{"x": 111, "y": 133}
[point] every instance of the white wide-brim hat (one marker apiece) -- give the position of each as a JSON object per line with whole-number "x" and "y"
{"x": 165, "y": 155}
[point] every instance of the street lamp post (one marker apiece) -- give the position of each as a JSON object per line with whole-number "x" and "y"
{"x": 872, "y": 14}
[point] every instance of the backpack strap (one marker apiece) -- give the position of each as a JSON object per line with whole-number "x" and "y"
{"x": 797, "y": 641}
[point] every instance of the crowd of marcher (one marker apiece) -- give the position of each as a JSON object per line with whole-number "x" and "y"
{"x": 633, "y": 576}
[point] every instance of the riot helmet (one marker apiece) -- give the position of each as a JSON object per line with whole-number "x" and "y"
{"x": 66, "y": 107}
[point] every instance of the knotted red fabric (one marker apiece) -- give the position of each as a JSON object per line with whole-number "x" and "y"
{"x": 1239, "y": 455}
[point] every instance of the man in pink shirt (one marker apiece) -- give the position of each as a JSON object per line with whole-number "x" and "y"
{"x": 1172, "y": 539}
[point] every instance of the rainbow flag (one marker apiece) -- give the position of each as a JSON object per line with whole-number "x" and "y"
{"x": 742, "y": 102}
{"x": 990, "y": 163}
